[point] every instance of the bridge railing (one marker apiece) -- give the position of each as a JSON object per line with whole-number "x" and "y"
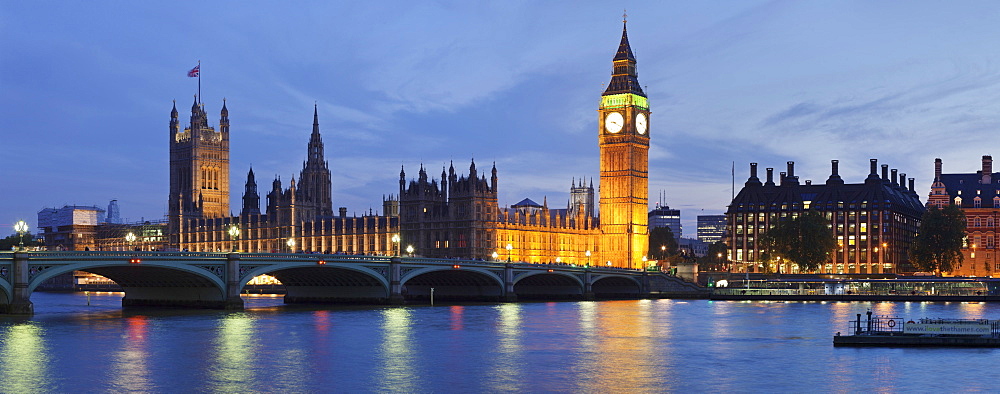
{"x": 188, "y": 256}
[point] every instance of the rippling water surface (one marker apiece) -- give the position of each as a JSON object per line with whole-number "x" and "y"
{"x": 608, "y": 346}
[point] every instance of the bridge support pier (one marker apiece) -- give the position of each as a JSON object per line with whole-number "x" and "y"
{"x": 395, "y": 288}
{"x": 20, "y": 303}
{"x": 644, "y": 287}
{"x": 233, "y": 285}
{"x": 508, "y": 283}
{"x": 588, "y": 286}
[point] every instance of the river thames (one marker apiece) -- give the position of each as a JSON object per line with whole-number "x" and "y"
{"x": 605, "y": 346}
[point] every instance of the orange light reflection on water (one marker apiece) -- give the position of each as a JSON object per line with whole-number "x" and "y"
{"x": 130, "y": 362}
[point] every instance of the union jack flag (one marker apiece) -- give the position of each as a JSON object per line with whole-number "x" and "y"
{"x": 195, "y": 72}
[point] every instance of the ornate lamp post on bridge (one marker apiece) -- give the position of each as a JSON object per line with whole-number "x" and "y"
{"x": 395, "y": 244}
{"x": 588, "y": 258}
{"x": 495, "y": 255}
{"x": 130, "y": 238}
{"x": 234, "y": 233}
{"x": 509, "y": 248}
{"x": 291, "y": 245}
{"x": 21, "y": 227}
{"x": 409, "y": 249}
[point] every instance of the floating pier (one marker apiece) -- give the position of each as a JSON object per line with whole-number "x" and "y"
{"x": 886, "y": 331}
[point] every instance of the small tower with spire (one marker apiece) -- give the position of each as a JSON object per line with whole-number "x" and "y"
{"x": 251, "y": 200}
{"x": 314, "y": 193}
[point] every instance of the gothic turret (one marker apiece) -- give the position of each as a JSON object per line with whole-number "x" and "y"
{"x": 313, "y": 196}
{"x": 251, "y": 200}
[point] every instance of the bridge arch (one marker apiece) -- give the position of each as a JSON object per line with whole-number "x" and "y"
{"x": 549, "y": 285}
{"x": 616, "y": 286}
{"x": 327, "y": 283}
{"x": 449, "y": 283}
{"x": 150, "y": 283}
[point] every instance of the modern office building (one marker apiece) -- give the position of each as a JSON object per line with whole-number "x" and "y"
{"x": 663, "y": 216}
{"x": 711, "y": 228}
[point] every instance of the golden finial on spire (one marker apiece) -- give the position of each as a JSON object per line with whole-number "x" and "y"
{"x": 625, "y": 16}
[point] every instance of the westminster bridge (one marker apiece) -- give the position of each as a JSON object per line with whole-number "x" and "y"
{"x": 215, "y": 280}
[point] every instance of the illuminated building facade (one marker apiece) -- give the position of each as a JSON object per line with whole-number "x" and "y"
{"x": 297, "y": 218}
{"x": 874, "y": 221}
{"x": 199, "y": 169}
{"x": 978, "y": 194}
{"x": 456, "y": 216}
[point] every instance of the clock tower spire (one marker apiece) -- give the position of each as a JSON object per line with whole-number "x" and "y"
{"x": 623, "y": 137}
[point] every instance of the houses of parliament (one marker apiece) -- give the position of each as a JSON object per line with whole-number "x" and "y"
{"x": 456, "y": 215}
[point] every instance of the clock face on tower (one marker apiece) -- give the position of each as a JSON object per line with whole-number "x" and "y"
{"x": 614, "y": 122}
{"x": 640, "y": 123}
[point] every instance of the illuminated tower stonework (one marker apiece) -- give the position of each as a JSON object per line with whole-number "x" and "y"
{"x": 623, "y": 137}
{"x": 199, "y": 168}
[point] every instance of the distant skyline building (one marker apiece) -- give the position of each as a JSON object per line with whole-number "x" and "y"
{"x": 874, "y": 221}
{"x": 663, "y": 216}
{"x": 711, "y": 228}
{"x": 978, "y": 194}
{"x": 113, "y": 216}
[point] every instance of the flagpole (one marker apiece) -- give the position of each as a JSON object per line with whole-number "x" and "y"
{"x": 199, "y": 81}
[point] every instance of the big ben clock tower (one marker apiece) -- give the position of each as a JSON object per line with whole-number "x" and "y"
{"x": 623, "y": 136}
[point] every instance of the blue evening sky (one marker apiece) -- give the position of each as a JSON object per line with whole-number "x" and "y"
{"x": 86, "y": 90}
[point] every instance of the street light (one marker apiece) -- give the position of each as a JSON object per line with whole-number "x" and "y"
{"x": 644, "y": 260}
{"x": 395, "y": 243}
{"x": 495, "y": 255}
{"x": 409, "y": 249}
{"x": 291, "y": 245}
{"x": 21, "y": 227}
{"x": 509, "y": 248}
{"x": 130, "y": 238}
{"x": 234, "y": 232}
{"x": 588, "y": 257}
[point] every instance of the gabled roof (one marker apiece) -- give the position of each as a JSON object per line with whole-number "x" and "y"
{"x": 970, "y": 185}
{"x": 526, "y": 203}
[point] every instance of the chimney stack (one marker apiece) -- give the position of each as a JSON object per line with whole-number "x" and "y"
{"x": 342, "y": 211}
{"x": 987, "y": 169}
{"x": 782, "y": 176}
{"x": 895, "y": 176}
{"x": 770, "y": 176}
{"x": 874, "y": 171}
{"x": 911, "y": 185}
{"x": 885, "y": 172}
{"x": 937, "y": 169}
{"x": 902, "y": 180}
{"x": 834, "y": 173}
{"x": 809, "y": 182}
{"x": 753, "y": 181}
{"x": 791, "y": 169}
